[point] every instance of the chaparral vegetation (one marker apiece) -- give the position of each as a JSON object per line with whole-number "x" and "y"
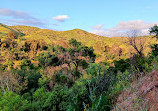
{"x": 46, "y": 70}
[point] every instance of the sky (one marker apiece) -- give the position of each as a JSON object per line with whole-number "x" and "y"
{"x": 102, "y": 17}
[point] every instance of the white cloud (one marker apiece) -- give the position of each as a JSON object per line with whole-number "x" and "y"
{"x": 16, "y": 14}
{"x": 61, "y": 18}
{"x": 20, "y": 18}
{"x": 123, "y": 26}
{"x": 137, "y": 24}
{"x": 98, "y": 26}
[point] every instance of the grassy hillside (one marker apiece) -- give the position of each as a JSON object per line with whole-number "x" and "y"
{"x": 99, "y": 43}
{"x": 50, "y": 35}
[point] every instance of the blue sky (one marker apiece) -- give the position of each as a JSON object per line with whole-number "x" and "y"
{"x": 102, "y": 17}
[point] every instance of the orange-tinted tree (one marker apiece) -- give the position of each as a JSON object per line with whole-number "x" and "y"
{"x": 12, "y": 35}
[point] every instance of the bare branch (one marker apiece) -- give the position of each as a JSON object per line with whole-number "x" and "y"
{"x": 136, "y": 41}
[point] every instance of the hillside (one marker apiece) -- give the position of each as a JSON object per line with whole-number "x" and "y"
{"x": 45, "y": 70}
{"x": 142, "y": 95}
{"x": 99, "y": 43}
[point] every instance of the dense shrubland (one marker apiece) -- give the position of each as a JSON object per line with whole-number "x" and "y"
{"x": 37, "y": 76}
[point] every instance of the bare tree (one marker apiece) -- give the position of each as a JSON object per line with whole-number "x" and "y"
{"x": 11, "y": 82}
{"x": 136, "y": 41}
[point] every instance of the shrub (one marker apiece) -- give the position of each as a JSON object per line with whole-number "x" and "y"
{"x": 57, "y": 100}
{"x": 47, "y": 59}
{"x": 32, "y": 76}
{"x": 74, "y": 43}
{"x": 154, "y": 51}
{"x": 10, "y": 101}
{"x": 25, "y": 63}
{"x": 122, "y": 65}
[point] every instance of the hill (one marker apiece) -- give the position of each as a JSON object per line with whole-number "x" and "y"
{"x": 42, "y": 69}
{"x": 105, "y": 47}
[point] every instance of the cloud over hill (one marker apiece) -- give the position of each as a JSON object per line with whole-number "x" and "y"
{"x": 61, "y": 18}
{"x": 123, "y": 26}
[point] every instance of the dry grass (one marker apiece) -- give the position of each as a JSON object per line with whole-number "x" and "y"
{"x": 141, "y": 96}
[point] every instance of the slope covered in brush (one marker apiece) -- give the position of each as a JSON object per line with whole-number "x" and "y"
{"x": 105, "y": 47}
{"x": 142, "y": 95}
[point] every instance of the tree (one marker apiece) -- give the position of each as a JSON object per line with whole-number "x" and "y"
{"x": 10, "y": 101}
{"x": 74, "y": 43}
{"x": 154, "y": 47}
{"x": 11, "y": 35}
{"x": 136, "y": 41}
{"x": 80, "y": 57}
{"x": 25, "y": 63}
{"x": 31, "y": 76}
{"x": 47, "y": 59}
{"x": 122, "y": 65}
{"x": 57, "y": 100}
{"x": 154, "y": 30}
{"x": 12, "y": 82}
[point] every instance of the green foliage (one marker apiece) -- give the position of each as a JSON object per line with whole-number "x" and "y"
{"x": 154, "y": 51}
{"x": 86, "y": 51}
{"x": 57, "y": 100}
{"x": 140, "y": 64}
{"x": 74, "y": 43}
{"x": 94, "y": 70}
{"x": 121, "y": 81}
{"x": 78, "y": 95}
{"x": 47, "y": 59}
{"x": 59, "y": 49}
{"x": 10, "y": 101}
{"x": 101, "y": 103}
{"x": 32, "y": 76}
{"x": 62, "y": 79}
{"x": 66, "y": 77}
{"x": 8, "y": 64}
{"x": 122, "y": 65}
{"x": 39, "y": 98}
{"x": 51, "y": 48}
{"x": 84, "y": 64}
{"x": 43, "y": 82}
{"x": 154, "y": 30}
{"x": 25, "y": 63}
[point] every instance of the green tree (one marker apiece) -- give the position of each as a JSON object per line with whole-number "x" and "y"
{"x": 74, "y": 42}
{"x": 39, "y": 99}
{"x": 57, "y": 100}
{"x": 154, "y": 51}
{"x": 47, "y": 59}
{"x": 10, "y": 101}
{"x": 32, "y": 76}
{"x": 25, "y": 63}
{"x": 122, "y": 65}
{"x": 154, "y": 30}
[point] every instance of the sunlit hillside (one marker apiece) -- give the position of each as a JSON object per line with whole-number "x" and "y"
{"x": 102, "y": 45}
{"x": 42, "y": 69}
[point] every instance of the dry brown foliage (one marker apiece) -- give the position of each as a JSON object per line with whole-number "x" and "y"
{"x": 143, "y": 95}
